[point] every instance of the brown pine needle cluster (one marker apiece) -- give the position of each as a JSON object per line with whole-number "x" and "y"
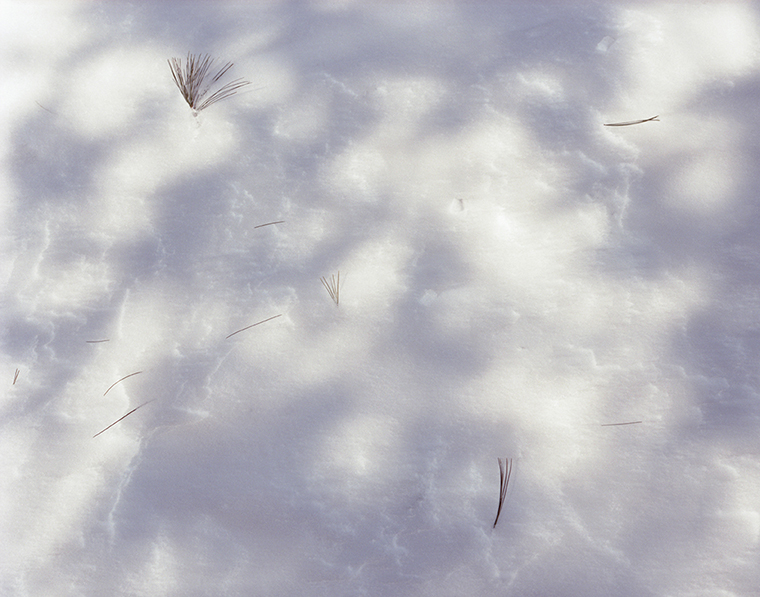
{"x": 196, "y": 78}
{"x": 333, "y": 287}
{"x": 505, "y": 472}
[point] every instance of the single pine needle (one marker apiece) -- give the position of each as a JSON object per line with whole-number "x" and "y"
{"x": 122, "y": 379}
{"x": 15, "y": 376}
{"x": 616, "y": 424}
{"x": 122, "y": 418}
{"x": 269, "y": 224}
{"x": 43, "y": 107}
{"x": 96, "y": 341}
{"x": 630, "y": 122}
{"x": 505, "y": 472}
{"x": 254, "y": 325}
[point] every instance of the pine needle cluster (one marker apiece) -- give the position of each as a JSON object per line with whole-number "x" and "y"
{"x": 196, "y": 78}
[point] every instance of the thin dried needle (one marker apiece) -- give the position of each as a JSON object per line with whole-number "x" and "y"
{"x": 254, "y": 325}
{"x": 269, "y": 224}
{"x": 505, "y": 472}
{"x": 43, "y": 107}
{"x": 122, "y": 418}
{"x": 630, "y": 122}
{"x": 122, "y": 379}
{"x": 15, "y": 376}
{"x": 616, "y": 424}
{"x": 96, "y": 341}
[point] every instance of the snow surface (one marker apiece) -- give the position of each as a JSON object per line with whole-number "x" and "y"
{"x": 515, "y": 276}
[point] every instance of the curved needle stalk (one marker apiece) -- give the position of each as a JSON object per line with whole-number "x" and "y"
{"x": 122, "y": 379}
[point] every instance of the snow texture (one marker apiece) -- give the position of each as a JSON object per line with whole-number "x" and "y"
{"x": 516, "y": 279}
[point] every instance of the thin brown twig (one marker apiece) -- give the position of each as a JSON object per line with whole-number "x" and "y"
{"x": 254, "y": 325}
{"x": 505, "y": 472}
{"x": 269, "y": 224}
{"x": 122, "y": 379}
{"x": 122, "y": 418}
{"x": 630, "y": 122}
{"x": 616, "y": 424}
{"x": 333, "y": 287}
{"x": 15, "y": 376}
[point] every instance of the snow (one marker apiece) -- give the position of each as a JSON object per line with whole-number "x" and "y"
{"x": 516, "y": 280}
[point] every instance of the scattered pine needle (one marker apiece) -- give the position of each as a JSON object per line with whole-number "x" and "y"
{"x": 616, "y": 424}
{"x": 96, "y": 341}
{"x": 254, "y": 325}
{"x": 269, "y": 224}
{"x": 505, "y": 472}
{"x": 122, "y": 418}
{"x": 122, "y": 379}
{"x": 43, "y": 107}
{"x": 15, "y": 376}
{"x": 630, "y": 122}
{"x": 333, "y": 287}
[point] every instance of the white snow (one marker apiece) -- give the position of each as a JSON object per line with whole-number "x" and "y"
{"x": 516, "y": 279}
